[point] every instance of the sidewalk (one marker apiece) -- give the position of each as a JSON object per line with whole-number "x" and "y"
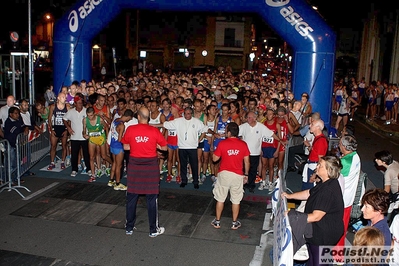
{"x": 391, "y": 130}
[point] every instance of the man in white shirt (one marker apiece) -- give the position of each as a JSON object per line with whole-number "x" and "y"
{"x": 4, "y": 110}
{"x": 73, "y": 120}
{"x": 189, "y": 131}
{"x": 252, "y": 132}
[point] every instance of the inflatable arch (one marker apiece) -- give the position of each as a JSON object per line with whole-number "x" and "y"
{"x": 311, "y": 39}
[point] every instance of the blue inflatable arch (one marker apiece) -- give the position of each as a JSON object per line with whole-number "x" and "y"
{"x": 311, "y": 39}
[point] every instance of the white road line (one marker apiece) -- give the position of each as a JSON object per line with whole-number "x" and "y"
{"x": 41, "y": 191}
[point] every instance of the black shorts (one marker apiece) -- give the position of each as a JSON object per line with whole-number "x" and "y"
{"x": 200, "y": 145}
{"x": 59, "y": 131}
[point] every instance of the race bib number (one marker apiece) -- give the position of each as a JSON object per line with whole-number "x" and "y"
{"x": 172, "y": 133}
{"x": 95, "y": 134}
{"x": 267, "y": 140}
{"x": 59, "y": 121}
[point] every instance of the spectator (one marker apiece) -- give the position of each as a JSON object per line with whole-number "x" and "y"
{"x": 324, "y": 207}
{"x": 375, "y": 205}
{"x": 14, "y": 126}
{"x": 368, "y": 236}
{"x": 318, "y": 149}
{"x": 351, "y": 167}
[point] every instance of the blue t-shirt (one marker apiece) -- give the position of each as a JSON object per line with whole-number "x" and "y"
{"x": 382, "y": 225}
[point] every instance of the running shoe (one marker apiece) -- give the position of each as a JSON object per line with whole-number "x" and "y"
{"x": 99, "y": 173}
{"x": 178, "y": 179}
{"x": 111, "y": 183}
{"x": 262, "y": 185}
{"x": 203, "y": 178}
{"x": 213, "y": 178}
{"x": 68, "y": 160}
{"x": 235, "y": 225}
{"x": 74, "y": 173}
{"x": 92, "y": 179}
{"x": 169, "y": 178}
{"x": 62, "y": 165}
{"x": 120, "y": 187}
{"x": 160, "y": 231}
{"x": 258, "y": 179}
{"x": 51, "y": 166}
{"x": 216, "y": 223}
{"x": 108, "y": 171}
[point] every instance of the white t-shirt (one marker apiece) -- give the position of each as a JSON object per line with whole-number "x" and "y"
{"x": 253, "y": 136}
{"x": 76, "y": 119}
{"x": 391, "y": 176}
{"x": 188, "y": 131}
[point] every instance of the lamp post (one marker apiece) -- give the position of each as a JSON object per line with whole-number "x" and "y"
{"x": 30, "y": 61}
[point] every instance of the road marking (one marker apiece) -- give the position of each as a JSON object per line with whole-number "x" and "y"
{"x": 41, "y": 190}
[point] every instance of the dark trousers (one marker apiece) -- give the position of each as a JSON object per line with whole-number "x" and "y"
{"x": 188, "y": 156}
{"x": 76, "y": 145}
{"x": 126, "y": 157}
{"x": 253, "y": 169}
{"x": 152, "y": 209}
{"x": 292, "y": 151}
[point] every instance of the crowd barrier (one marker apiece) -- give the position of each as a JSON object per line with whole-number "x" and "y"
{"x": 14, "y": 163}
{"x": 282, "y": 240}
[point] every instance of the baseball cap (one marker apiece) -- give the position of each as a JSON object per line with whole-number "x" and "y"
{"x": 232, "y": 97}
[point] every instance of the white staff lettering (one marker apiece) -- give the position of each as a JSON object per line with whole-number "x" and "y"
{"x": 141, "y": 139}
{"x": 233, "y": 152}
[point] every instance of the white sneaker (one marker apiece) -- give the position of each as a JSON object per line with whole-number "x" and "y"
{"x": 262, "y": 185}
{"x": 203, "y": 178}
{"x": 68, "y": 161}
{"x": 74, "y": 173}
{"x": 271, "y": 187}
{"x": 160, "y": 231}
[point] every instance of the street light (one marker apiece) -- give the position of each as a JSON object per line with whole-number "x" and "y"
{"x": 204, "y": 54}
{"x": 96, "y": 49}
{"x": 50, "y": 21}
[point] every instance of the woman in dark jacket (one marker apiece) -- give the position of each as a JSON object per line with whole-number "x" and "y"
{"x": 324, "y": 207}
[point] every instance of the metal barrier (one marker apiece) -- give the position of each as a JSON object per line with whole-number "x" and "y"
{"x": 5, "y": 166}
{"x": 30, "y": 149}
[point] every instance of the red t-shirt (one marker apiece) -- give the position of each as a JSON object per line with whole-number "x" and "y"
{"x": 270, "y": 142}
{"x": 232, "y": 152}
{"x": 143, "y": 140}
{"x": 319, "y": 147}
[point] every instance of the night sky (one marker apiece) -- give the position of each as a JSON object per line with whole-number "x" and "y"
{"x": 336, "y": 13}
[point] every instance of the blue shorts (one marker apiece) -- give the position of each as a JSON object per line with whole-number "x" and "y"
{"x": 173, "y": 147}
{"x": 268, "y": 152}
{"x": 207, "y": 147}
{"x": 338, "y": 99}
{"x": 116, "y": 151}
{"x": 389, "y": 105}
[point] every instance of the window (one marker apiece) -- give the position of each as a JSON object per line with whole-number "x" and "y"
{"x": 229, "y": 37}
